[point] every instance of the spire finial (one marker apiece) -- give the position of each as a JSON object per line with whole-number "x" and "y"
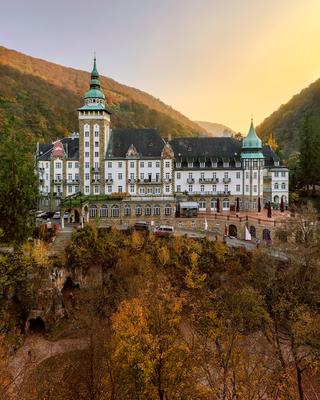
{"x": 94, "y": 55}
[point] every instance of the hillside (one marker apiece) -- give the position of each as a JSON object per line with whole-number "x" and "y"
{"x": 45, "y": 97}
{"x": 285, "y": 122}
{"x": 214, "y": 129}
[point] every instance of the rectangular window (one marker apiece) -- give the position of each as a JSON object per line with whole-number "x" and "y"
{"x": 86, "y": 176}
{"x": 238, "y": 188}
{"x": 276, "y": 186}
{"x": 96, "y": 144}
{"x": 226, "y": 188}
{"x": 149, "y": 164}
{"x": 247, "y": 188}
{"x": 167, "y": 175}
{"x": 120, "y": 164}
{"x": 178, "y": 175}
{"x": 76, "y": 176}
{"x": 96, "y": 189}
{"x": 255, "y": 188}
{"x": 142, "y": 190}
{"x": 69, "y": 164}
{"x": 157, "y": 164}
{"x": 214, "y": 188}
{"x": 96, "y": 133}
{"x": 58, "y": 165}
{"x": 96, "y": 164}
{"x": 76, "y": 164}
{"x": 109, "y": 175}
{"x": 141, "y": 164}
{"x": 149, "y": 190}
{"x": 167, "y": 164}
{"x": 178, "y": 188}
{"x": 247, "y": 175}
{"x": 119, "y": 189}
{"x": 238, "y": 175}
{"x": 96, "y": 154}
{"x": 190, "y": 175}
{"x": 157, "y": 190}
{"x": 131, "y": 164}
{"x": 167, "y": 188}
{"x": 69, "y": 177}
{"x": 131, "y": 188}
{"x": 226, "y": 175}
{"x": 202, "y": 175}
{"x": 283, "y": 185}
{"x": 69, "y": 189}
{"x": 255, "y": 175}
{"x": 109, "y": 164}
{"x": 202, "y": 165}
{"x": 202, "y": 188}
{"x": 190, "y": 164}
{"x": 87, "y": 134}
{"x": 86, "y": 144}
{"x": 214, "y": 175}
{"x": 283, "y": 174}
{"x": 190, "y": 188}
{"x": 87, "y": 190}
{"x": 86, "y": 154}
{"x": 142, "y": 176}
{"x": 109, "y": 188}
{"x": 119, "y": 175}
{"x": 132, "y": 176}
{"x": 276, "y": 174}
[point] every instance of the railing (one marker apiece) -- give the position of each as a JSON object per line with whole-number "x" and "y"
{"x": 149, "y": 182}
{"x": 72, "y": 181}
{"x": 190, "y": 180}
{"x": 208, "y": 180}
{"x": 95, "y": 180}
{"x": 226, "y": 180}
{"x": 57, "y": 180}
{"x": 210, "y": 193}
{"x": 167, "y": 180}
{"x": 109, "y": 180}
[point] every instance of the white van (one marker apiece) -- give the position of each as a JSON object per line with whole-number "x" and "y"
{"x": 164, "y": 230}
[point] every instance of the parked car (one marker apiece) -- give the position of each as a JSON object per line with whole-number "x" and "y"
{"x": 141, "y": 226}
{"x": 164, "y": 231}
{"x": 40, "y": 214}
{"x": 56, "y": 215}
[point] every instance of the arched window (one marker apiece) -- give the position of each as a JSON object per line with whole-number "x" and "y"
{"x": 225, "y": 204}
{"x": 213, "y": 204}
{"x": 115, "y": 211}
{"x": 283, "y": 185}
{"x": 104, "y": 211}
{"x": 156, "y": 210}
{"x": 127, "y": 210}
{"x": 284, "y": 199}
{"x": 276, "y": 199}
{"x": 147, "y": 210}
{"x": 138, "y": 210}
{"x": 93, "y": 211}
{"x": 202, "y": 204}
{"x": 253, "y": 231}
{"x": 167, "y": 210}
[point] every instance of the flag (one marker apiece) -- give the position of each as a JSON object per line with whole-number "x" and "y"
{"x": 205, "y": 224}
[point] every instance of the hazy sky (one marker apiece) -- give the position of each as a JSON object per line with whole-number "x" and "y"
{"x": 214, "y": 60}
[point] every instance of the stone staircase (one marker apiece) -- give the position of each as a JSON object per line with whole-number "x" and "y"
{"x": 61, "y": 240}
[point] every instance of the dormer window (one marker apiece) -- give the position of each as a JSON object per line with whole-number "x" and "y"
{"x": 178, "y": 164}
{"x": 190, "y": 164}
{"x": 202, "y": 165}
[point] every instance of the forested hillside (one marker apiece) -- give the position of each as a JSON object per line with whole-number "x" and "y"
{"x": 285, "y": 123}
{"x": 45, "y": 96}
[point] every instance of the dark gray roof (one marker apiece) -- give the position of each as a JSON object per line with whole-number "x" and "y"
{"x": 270, "y": 155}
{"x": 147, "y": 142}
{"x": 206, "y": 147}
{"x": 70, "y": 145}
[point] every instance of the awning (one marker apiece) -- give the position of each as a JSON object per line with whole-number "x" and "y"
{"x": 188, "y": 204}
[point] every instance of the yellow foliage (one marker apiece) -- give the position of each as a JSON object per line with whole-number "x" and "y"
{"x": 272, "y": 142}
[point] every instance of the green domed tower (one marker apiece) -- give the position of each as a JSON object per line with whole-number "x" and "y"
{"x": 252, "y": 164}
{"x": 94, "y": 132}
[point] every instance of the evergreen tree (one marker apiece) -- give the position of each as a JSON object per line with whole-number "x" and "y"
{"x": 309, "y": 153}
{"x": 18, "y": 188}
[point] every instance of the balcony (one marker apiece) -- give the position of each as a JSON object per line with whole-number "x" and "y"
{"x": 149, "y": 181}
{"x": 210, "y": 193}
{"x": 208, "y": 180}
{"x": 57, "y": 180}
{"x": 226, "y": 180}
{"x": 95, "y": 169}
{"x": 190, "y": 180}
{"x": 109, "y": 180}
{"x": 167, "y": 180}
{"x": 95, "y": 180}
{"x": 72, "y": 181}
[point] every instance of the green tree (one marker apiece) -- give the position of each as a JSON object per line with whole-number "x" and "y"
{"x": 18, "y": 189}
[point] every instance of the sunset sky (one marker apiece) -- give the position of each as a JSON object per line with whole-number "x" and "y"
{"x": 218, "y": 61}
